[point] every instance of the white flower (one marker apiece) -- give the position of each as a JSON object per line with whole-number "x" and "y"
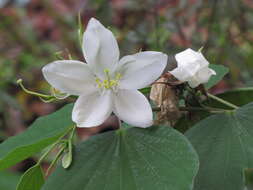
{"x": 192, "y": 67}
{"x": 106, "y": 84}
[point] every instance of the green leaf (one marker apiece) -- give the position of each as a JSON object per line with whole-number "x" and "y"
{"x": 185, "y": 122}
{"x": 248, "y": 178}
{"x": 158, "y": 157}
{"x": 220, "y": 70}
{"x": 8, "y": 181}
{"x": 239, "y": 97}
{"x": 43, "y": 132}
{"x": 32, "y": 179}
{"x": 224, "y": 144}
{"x": 145, "y": 90}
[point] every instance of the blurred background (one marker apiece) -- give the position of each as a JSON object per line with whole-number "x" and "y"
{"x": 33, "y": 31}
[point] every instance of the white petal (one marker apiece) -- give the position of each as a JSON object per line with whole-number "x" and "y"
{"x": 204, "y": 74}
{"x": 141, "y": 69}
{"x": 194, "y": 82}
{"x": 191, "y": 58}
{"x": 181, "y": 74}
{"x": 100, "y": 47}
{"x": 69, "y": 76}
{"x": 132, "y": 107}
{"x": 189, "y": 61}
{"x": 92, "y": 109}
{"x": 212, "y": 71}
{"x": 192, "y": 67}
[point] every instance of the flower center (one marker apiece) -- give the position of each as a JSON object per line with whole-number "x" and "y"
{"x": 109, "y": 83}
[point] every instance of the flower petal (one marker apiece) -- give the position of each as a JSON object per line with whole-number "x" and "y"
{"x": 204, "y": 74}
{"x": 100, "y": 47}
{"x": 92, "y": 109}
{"x": 190, "y": 57}
{"x": 141, "y": 69}
{"x": 132, "y": 107}
{"x": 192, "y": 66}
{"x": 194, "y": 82}
{"x": 181, "y": 73}
{"x": 69, "y": 76}
{"x": 201, "y": 77}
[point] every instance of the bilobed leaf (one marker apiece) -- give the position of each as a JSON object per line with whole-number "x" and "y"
{"x": 224, "y": 144}
{"x": 220, "y": 70}
{"x": 158, "y": 157}
{"x": 32, "y": 179}
{"x": 43, "y": 132}
{"x": 239, "y": 97}
{"x": 8, "y": 181}
{"x": 186, "y": 122}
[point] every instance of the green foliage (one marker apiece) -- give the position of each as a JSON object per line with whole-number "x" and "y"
{"x": 43, "y": 132}
{"x": 224, "y": 145}
{"x": 221, "y": 71}
{"x": 145, "y": 90}
{"x": 239, "y": 97}
{"x": 32, "y": 179}
{"x": 155, "y": 158}
{"x": 248, "y": 178}
{"x": 187, "y": 121}
{"x": 8, "y": 181}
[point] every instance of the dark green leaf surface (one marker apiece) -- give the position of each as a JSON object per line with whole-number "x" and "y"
{"x": 224, "y": 144}
{"x": 43, "y": 132}
{"x": 8, "y": 181}
{"x": 32, "y": 179}
{"x": 220, "y": 70}
{"x": 239, "y": 97}
{"x": 248, "y": 179}
{"x": 157, "y": 158}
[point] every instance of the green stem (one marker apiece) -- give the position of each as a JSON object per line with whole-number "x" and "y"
{"x": 80, "y": 29}
{"x": 211, "y": 110}
{"x": 54, "y": 145}
{"x": 46, "y": 153}
{"x": 222, "y": 101}
{"x": 72, "y": 134}
{"x": 56, "y": 158}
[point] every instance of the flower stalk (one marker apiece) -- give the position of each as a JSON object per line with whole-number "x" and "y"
{"x": 222, "y": 101}
{"x": 207, "y": 109}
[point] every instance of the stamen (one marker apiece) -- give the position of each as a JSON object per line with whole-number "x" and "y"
{"x": 109, "y": 83}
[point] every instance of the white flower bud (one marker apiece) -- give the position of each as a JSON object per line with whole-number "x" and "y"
{"x": 192, "y": 67}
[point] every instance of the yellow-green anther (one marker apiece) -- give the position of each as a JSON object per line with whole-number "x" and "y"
{"x": 108, "y": 83}
{"x": 107, "y": 71}
{"x": 100, "y": 85}
{"x": 113, "y": 83}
